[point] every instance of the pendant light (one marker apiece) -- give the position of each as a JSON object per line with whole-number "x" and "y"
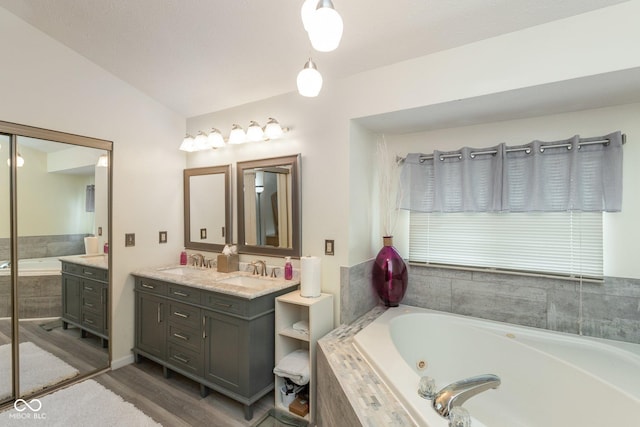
{"x": 325, "y": 27}
{"x": 309, "y": 80}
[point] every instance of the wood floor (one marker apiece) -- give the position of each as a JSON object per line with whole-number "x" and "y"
{"x": 176, "y": 401}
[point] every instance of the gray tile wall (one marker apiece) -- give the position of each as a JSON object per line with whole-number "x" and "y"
{"x": 609, "y": 310}
{"x": 44, "y": 246}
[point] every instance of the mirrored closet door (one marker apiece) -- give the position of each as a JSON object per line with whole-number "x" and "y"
{"x": 53, "y": 249}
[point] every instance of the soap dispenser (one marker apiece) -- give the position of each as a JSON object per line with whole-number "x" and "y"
{"x": 183, "y": 257}
{"x": 288, "y": 268}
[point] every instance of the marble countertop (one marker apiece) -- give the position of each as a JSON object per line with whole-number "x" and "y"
{"x": 369, "y": 397}
{"x": 212, "y": 280}
{"x": 91, "y": 260}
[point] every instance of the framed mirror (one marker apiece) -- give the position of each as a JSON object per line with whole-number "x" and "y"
{"x": 269, "y": 213}
{"x": 207, "y": 208}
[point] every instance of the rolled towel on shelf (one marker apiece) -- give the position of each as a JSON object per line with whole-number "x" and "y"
{"x": 294, "y": 366}
{"x": 301, "y": 326}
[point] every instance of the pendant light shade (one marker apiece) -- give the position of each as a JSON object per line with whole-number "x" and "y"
{"x": 201, "y": 142}
{"x": 307, "y": 11}
{"x": 254, "y": 132}
{"x": 273, "y": 129}
{"x": 237, "y": 135}
{"x": 325, "y": 27}
{"x": 309, "y": 80}
{"x": 216, "y": 140}
{"x": 187, "y": 144}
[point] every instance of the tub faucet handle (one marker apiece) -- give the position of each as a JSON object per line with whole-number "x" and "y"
{"x": 455, "y": 394}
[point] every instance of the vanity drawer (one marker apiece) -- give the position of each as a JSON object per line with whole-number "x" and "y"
{"x": 93, "y": 321}
{"x": 224, "y": 303}
{"x": 187, "y": 337}
{"x": 185, "y": 314}
{"x": 184, "y": 293}
{"x": 92, "y": 302}
{"x": 186, "y": 359}
{"x": 85, "y": 271}
{"x": 151, "y": 286}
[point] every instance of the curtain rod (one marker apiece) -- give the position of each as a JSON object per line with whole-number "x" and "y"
{"x": 473, "y": 154}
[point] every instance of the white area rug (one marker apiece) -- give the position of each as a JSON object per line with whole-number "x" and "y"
{"x": 38, "y": 369}
{"x": 84, "y": 404}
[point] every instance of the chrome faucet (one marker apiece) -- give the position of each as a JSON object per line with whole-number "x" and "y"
{"x": 455, "y": 394}
{"x": 263, "y": 268}
{"x": 197, "y": 260}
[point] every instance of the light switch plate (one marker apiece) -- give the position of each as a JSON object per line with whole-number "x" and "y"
{"x": 162, "y": 237}
{"x": 329, "y": 247}
{"x": 130, "y": 239}
{"x": 203, "y": 233}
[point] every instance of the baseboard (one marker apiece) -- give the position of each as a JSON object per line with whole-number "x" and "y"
{"x": 123, "y": 361}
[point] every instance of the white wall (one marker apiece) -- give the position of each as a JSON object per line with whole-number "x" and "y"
{"x": 336, "y": 173}
{"x": 44, "y": 84}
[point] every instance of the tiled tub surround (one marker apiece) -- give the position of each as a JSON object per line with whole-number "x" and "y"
{"x": 349, "y": 392}
{"x": 44, "y": 246}
{"x": 609, "y": 310}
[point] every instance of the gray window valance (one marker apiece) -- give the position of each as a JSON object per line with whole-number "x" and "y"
{"x": 569, "y": 175}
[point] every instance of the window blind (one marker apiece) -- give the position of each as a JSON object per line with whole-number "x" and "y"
{"x": 564, "y": 243}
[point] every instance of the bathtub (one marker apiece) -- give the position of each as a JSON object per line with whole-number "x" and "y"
{"x": 548, "y": 379}
{"x": 33, "y": 267}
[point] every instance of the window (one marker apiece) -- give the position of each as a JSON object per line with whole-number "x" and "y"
{"x": 565, "y": 243}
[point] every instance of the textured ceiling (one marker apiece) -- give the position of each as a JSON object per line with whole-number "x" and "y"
{"x": 199, "y": 56}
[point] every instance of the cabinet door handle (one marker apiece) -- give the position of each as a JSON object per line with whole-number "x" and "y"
{"x": 181, "y": 359}
{"x": 204, "y": 327}
{"x": 182, "y": 337}
{"x": 159, "y": 310}
{"x": 144, "y": 285}
{"x": 177, "y": 313}
{"x": 180, "y": 294}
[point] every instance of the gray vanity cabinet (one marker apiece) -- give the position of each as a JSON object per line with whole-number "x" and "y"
{"x": 84, "y": 299}
{"x": 223, "y": 342}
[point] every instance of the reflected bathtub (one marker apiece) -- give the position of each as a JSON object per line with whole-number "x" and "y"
{"x": 33, "y": 267}
{"x": 548, "y": 379}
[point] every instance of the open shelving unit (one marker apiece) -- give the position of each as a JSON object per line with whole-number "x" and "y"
{"x": 318, "y": 312}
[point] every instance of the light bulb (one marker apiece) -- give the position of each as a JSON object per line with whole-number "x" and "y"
{"x": 309, "y": 80}
{"x": 325, "y": 27}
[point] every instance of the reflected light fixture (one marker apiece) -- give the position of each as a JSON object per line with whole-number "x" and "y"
{"x": 237, "y": 135}
{"x": 216, "y": 140}
{"x": 309, "y": 80}
{"x": 254, "y": 132}
{"x": 19, "y": 162}
{"x": 103, "y": 161}
{"x": 325, "y": 27}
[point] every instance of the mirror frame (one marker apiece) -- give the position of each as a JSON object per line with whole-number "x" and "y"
{"x": 228, "y": 235}
{"x": 296, "y": 201}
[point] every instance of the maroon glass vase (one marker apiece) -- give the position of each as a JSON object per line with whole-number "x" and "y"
{"x": 389, "y": 276}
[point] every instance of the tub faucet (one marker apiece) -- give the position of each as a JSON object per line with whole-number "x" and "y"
{"x": 455, "y": 394}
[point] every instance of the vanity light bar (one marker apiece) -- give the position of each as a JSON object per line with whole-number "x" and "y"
{"x": 214, "y": 138}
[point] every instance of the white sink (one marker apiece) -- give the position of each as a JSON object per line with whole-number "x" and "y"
{"x": 246, "y": 281}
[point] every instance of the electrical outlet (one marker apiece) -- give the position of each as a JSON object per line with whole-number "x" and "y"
{"x": 99, "y": 231}
{"x": 130, "y": 239}
{"x": 203, "y": 233}
{"x": 162, "y": 237}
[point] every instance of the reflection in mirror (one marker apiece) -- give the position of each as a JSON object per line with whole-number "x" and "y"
{"x": 6, "y": 332}
{"x": 60, "y": 315}
{"x": 207, "y": 208}
{"x": 269, "y": 206}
